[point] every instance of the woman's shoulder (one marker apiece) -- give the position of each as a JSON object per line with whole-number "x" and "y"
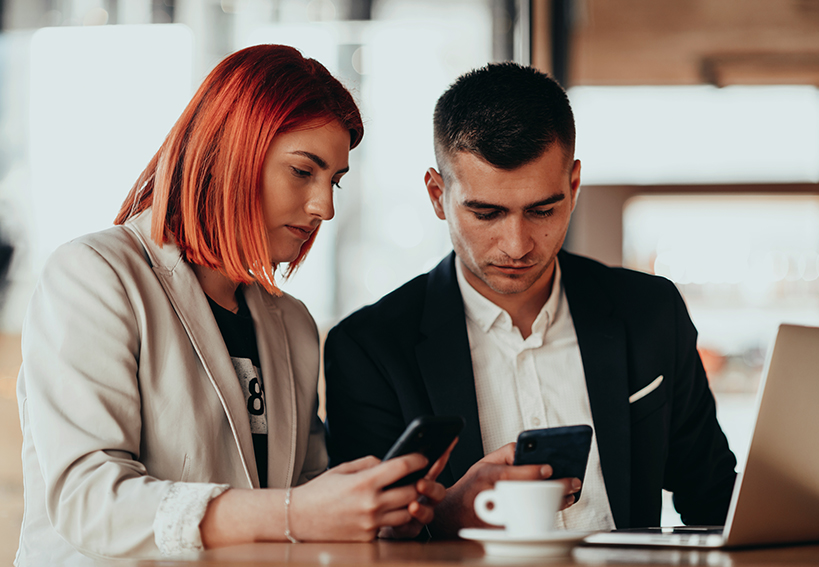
{"x": 284, "y": 302}
{"x": 292, "y": 309}
{"x": 113, "y": 246}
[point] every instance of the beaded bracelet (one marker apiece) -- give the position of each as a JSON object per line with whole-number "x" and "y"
{"x": 287, "y": 533}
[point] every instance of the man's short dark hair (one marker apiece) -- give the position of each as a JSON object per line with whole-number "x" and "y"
{"x": 504, "y": 113}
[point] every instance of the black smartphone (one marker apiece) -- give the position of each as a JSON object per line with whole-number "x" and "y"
{"x": 566, "y": 449}
{"x": 429, "y": 435}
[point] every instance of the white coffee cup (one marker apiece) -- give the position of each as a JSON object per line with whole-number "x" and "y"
{"x": 525, "y": 507}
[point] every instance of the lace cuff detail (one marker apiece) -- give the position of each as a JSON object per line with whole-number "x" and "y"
{"x": 176, "y": 525}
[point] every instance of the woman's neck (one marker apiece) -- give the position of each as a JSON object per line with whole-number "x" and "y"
{"x": 218, "y": 287}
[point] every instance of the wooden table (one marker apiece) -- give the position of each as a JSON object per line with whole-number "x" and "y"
{"x": 447, "y": 554}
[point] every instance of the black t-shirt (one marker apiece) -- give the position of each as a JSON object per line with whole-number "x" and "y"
{"x": 240, "y": 339}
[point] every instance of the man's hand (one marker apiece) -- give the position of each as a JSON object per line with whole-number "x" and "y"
{"x": 457, "y": 510}
{"x": 422, "y": 510}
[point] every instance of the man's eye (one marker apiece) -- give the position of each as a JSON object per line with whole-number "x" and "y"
{"x": 486, "y": 216}
{"x": 543, "y": 213}
{"x": 336, "y": 185}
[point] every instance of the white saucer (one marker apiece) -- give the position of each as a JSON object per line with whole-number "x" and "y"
{"x": 497, "y": 542}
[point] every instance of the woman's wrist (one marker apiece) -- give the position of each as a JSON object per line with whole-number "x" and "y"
{"x": 244, "y": 516}
{"x": 288, "y": 533}
{"x": 299, "y": 528}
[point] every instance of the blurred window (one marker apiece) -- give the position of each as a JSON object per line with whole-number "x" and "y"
{"x": 744, "y": 264}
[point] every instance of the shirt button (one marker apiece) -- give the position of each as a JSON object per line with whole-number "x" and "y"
{"x": 535, "y": 421}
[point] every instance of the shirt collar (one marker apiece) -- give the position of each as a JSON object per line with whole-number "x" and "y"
{"x": 486, "y": 314}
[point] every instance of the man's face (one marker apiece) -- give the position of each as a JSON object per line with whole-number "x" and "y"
{"x": 507, "y": 226}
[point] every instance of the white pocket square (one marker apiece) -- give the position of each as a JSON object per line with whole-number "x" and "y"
{"x": 639, "y": 394}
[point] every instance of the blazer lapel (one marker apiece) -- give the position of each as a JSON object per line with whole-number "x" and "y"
{"x": 446, "y": 363}
{"x": 602, "y": 340}
{"x": 279, "y": 387}
{"x": 193, "y": 310}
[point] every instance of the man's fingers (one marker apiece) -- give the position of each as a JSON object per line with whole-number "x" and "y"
{"x": 568, "y": 500}
{"x": 503, "y": 456}
{"x": 424, "y": 513}
{"x": 524, "y": 472}
{"x": 570, "y": 485}
{"x": 433, "y": 491}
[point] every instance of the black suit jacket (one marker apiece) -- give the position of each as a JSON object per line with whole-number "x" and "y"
{"x": 408, "y": 355}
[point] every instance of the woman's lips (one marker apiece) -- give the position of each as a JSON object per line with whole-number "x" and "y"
{"x": 302, "y": 232}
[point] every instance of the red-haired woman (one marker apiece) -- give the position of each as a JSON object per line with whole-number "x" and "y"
{"x": 165, "y": 375}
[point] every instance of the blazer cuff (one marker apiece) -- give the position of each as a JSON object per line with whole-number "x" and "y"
{"x": 176, "y": 525}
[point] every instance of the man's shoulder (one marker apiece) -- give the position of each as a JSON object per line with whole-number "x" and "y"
{"x": 615, "y": 278}
{"x": 404, "y": 303}
{"x": 401, "y": 311}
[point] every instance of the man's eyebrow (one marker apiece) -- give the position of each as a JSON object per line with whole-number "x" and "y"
{"x": 548, "y": 201}
{"x": 319, "y": 162}
{"x": 544, "y": 203}
{"x": 482, "y": 205}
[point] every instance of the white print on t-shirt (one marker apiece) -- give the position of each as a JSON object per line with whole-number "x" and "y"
{"x": 250, "y": 379}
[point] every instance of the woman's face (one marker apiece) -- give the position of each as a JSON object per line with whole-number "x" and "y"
{"x": 301, "y": 169}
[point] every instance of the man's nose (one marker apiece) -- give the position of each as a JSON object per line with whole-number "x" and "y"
{"x": 516, "y": 239}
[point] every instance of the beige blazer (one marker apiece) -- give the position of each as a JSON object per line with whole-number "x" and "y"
{"x": 127, "y": 387}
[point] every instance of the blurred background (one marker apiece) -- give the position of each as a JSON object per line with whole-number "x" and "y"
{"x": 698, "y": 131}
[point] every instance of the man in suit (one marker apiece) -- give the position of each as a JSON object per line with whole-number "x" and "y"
{"x": 513, "y": 333}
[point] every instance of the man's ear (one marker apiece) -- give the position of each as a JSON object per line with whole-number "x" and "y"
{"x": 435, "y": 187}
{"x": 574, "y": 181}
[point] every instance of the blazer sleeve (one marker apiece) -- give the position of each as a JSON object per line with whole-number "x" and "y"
{"x": 700, "y": 470}
{"x": 303, "y": 339}
{"x": 364, "y": 415}
{"x": 315, "y": 461}
{"x": 80, "y": 361}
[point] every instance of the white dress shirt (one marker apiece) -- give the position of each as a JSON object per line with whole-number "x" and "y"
{"x": 533, "y": 383}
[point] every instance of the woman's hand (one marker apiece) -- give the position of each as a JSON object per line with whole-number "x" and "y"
{"x": 422, "y": 510}
{"x": 349, "y": 503}
{"x": 346, "y": 503}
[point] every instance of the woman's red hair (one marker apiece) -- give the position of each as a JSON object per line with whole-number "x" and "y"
{"x": 204, "y": 185}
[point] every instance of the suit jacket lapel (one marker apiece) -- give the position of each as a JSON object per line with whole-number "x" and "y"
{"x": 280, "y": 393}
{"x": 603, "y": 349}
{"x": 193, "y": 310}
{"x": 446, "y": 363}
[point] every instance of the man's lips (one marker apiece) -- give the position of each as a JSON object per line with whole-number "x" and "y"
{"x": 513, "y": 270}
{"x": 302, "y": 232}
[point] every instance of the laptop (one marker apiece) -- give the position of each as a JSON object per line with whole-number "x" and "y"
{"x": 776, "y": 496}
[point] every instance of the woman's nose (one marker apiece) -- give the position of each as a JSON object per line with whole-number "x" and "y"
{"x": 320, "y": 203}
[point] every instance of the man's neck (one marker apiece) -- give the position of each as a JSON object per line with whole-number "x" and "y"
{"x": 523, "y": 307}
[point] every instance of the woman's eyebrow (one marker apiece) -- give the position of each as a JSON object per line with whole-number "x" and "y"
{"x": 319, "y": 162}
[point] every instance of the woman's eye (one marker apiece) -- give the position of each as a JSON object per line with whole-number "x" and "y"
{"x": 299, "y": 172}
